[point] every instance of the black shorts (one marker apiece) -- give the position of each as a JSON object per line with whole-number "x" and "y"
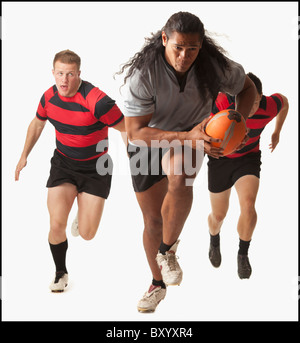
{"x": 82, "y": 174}
{"x": 145, "y": 166}
{"x": 224, "y": 172}
{"x": 146, "y": 175}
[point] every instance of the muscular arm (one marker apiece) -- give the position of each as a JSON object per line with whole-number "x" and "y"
{"x": 138, "y": 130}
{"x": 280, "y": 118}
{"x": 121, "y": 127}
{"x": 245, "y": 99}
{"x": 33, "y": 133}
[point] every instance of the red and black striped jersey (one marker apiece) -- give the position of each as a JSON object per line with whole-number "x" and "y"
{"x": 81, "y": 121}
{"x": 269, "y": 107}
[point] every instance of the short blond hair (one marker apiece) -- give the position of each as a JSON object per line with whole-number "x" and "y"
{"x": 68, "y": 57}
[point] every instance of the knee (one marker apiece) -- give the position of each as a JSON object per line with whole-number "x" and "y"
{"x": 178, "y": 184}
{"x": 153, "y": 224}
{"x": 248, "y": 207}
{"x": 218, "y": 216}
{"x": 87, "y": 233}
{"x": 57, "y": 227}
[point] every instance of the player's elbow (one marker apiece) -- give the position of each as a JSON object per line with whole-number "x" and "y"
{"x": 285, "y": 101}
{"x": 133, "y": 133}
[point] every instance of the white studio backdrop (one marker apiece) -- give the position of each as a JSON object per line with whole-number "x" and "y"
{"x": 109, "y": 274}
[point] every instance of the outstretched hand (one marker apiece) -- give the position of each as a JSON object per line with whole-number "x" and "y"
{"x": 274, "y": 141}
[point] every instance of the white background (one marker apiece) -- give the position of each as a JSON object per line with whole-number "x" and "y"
{"x": 109, "y": 274}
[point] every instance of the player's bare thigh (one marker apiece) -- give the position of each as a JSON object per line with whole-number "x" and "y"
{"x": 182, "y": 163}
{"x": 90, "y": 209}
{"x": 60, "y": 200}
{"x": 247, "y": 188}
{"x": 219, "y": 204}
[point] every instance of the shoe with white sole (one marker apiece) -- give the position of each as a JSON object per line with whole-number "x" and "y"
{"x": 74, "y": 227}
{"x": 169, "y": 267}
{"x": 59, "y": 283}
{"x": 151, "y": 299}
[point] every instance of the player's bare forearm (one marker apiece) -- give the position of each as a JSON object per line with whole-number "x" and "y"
{"x": 34, "y": 131}
{"x": 245, "y": 99}
{"x": 281, "y": 116}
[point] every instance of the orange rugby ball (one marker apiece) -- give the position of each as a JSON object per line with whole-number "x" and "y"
{"x": 228, "y": 125}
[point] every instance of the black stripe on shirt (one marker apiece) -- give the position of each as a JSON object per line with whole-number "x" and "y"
{"x": 248, "y": 147}
{"x": 117, "y": 121}
{"x": 263, "y": 103}
{"x": 43, "y": 100}
{"x": 278, "y": 103}
{"x": 103, "y": 106}
{"x": 70, "y": 106}
{"x": 40, "y": 117}
{"x": 76, "y": 130}
{"x": 230, "y": 98}
{"x": 231, "y": 102}
{"x": 79, "y": 153}
{"x": 255, "y": 132}
{"x": 232, "y": 106}
{"x": 85, "y": 88}
{"x": 216, "y": 110}
{"x": 260, "y": 116}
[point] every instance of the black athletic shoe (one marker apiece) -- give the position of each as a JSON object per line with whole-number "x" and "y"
{"x": 244, "y": 267}
{"x": 214, "y": 255}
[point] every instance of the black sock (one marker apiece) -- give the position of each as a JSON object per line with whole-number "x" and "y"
{"x": 158, "y": 283}
{"x": 164, "y": 247}
{"x": 59, "y": 255}
{"x": 215, "y": 240}
{"x": 243, "y": 247}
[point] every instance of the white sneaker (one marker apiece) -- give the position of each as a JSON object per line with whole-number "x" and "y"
{"x": 74, "y": 227}
{"x": 170, "y": 269}
{"x": 151, "y": 299}
{"x": 59, "y": 283}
